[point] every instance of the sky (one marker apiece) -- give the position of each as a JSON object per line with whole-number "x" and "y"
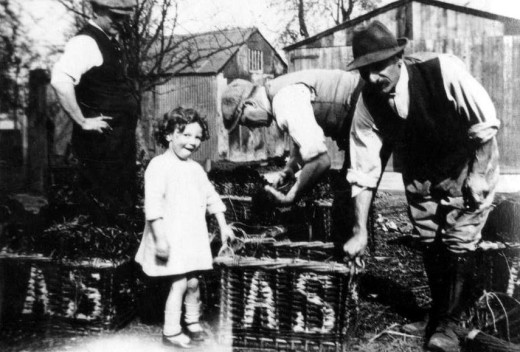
{"x": 47, "y": 22}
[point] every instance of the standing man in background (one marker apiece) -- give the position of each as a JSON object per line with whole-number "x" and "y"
{"x": 93, "y": 88}
{"x": 442, "y": 124}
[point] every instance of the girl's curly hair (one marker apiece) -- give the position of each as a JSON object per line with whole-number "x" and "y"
{"x": 178, "y": 119}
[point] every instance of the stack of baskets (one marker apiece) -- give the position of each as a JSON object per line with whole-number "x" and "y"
{"x": 284, "y": 295}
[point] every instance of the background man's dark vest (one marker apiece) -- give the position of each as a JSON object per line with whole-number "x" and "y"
{"x": 106, "y": 90}
{"x": 433, "y": 140}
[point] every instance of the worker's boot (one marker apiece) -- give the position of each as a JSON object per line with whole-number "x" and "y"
{"x": 432, "y": 265}
{"x": 450, "y": 300}
{"x": 417, "y": 328}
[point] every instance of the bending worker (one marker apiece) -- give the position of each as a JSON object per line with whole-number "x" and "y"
{"x": 308, "y": 105}
{"x": 442, "y": 124}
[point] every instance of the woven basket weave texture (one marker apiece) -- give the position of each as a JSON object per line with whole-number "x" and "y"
{"x": 77, "y": 297}
{"x": 286, "y": 304}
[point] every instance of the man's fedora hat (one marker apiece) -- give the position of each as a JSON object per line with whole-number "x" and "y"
{"x": 374, "y": 43}
{"x": 232, "y": 101}
{"x": 120, "y": 7}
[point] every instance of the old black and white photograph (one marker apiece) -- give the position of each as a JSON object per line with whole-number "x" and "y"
{"x": 156, "y": 194}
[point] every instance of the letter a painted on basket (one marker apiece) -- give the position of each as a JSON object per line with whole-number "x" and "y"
{"x": 260, "y": 300}
{"x": 36, "y": 293}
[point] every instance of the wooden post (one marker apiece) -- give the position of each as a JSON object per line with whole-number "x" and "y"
{"x": 37, "y": 130}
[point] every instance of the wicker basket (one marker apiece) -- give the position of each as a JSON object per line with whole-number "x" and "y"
{"x": 497, "y": 311}
{"x": 313, "y": 251}
{"x": 286, "y": 304}
{"x": 238, "y": 208}
{"x": 256, "y": 241}
{"x": 498, "y": 271}
{"x": 244, "y": 209}
{"x": 79, "y": 297}
{"x": 322, "y": 220}
{"x": 270, "y": 241}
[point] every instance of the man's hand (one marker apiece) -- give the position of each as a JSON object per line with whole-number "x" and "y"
{"x": 475, "y": 191}
{"x": 162, "y": 250}
{"x": 98, "y": 124}
{"x": 281, "y": 178}
{"x": 355, "y": 247}
{"x": 278, "y": 197}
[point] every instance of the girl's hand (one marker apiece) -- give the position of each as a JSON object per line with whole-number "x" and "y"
{"x": 226, "y": 234}
{"x": 162, "y": 250}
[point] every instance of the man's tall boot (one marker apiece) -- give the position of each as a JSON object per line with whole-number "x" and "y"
{"x": 450, "y": 300}
{"x": 431, "y": 260}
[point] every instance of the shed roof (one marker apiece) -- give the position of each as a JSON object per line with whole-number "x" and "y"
{"x": 397, "y": 4}
{"x": 209, "y": 52}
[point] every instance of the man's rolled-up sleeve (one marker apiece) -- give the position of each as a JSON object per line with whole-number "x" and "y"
{"x": 470, "y": 99}
{"x": 365, "y": 147}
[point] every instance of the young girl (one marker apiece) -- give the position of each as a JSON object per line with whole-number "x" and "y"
{"x": 175, "y": 240}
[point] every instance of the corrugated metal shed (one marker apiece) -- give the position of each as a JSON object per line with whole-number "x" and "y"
{"x": 217, "y": 58}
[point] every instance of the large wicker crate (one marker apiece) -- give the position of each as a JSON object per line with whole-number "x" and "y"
{"x": 286, "y": 304}
{"x": 56, "y": 295}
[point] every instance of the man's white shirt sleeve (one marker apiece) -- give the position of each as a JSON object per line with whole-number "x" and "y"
{"x": 470, "y": 99}
{"x": 365, "y": 147}
{"x": 80, "y": 55}
{"x": 294, "y": 114}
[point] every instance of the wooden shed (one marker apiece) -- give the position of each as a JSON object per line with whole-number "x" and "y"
{"x": 222, "y": 56}
{"x": 489, "y": 44}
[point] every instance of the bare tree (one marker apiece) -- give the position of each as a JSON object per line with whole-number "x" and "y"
{"x": 15, "y": 57}
{"x": 306, "y": 16}
{"x": 301, "y": 19}
{"x": 154, "y": 52}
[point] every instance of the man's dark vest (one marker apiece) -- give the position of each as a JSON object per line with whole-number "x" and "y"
{"x": 433, "y": 140}
{"x": 106, "y": 90}
{"x": 336, "y": 92}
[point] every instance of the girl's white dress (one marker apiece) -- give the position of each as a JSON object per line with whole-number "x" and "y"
{"x": 178, "y": 191}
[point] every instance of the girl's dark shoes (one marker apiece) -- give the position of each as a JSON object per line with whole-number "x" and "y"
{"x": 196, "y": 332}
{"x": 179, "y": 340}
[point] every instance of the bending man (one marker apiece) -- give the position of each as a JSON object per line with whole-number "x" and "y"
{"x": 308, "y": 105}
